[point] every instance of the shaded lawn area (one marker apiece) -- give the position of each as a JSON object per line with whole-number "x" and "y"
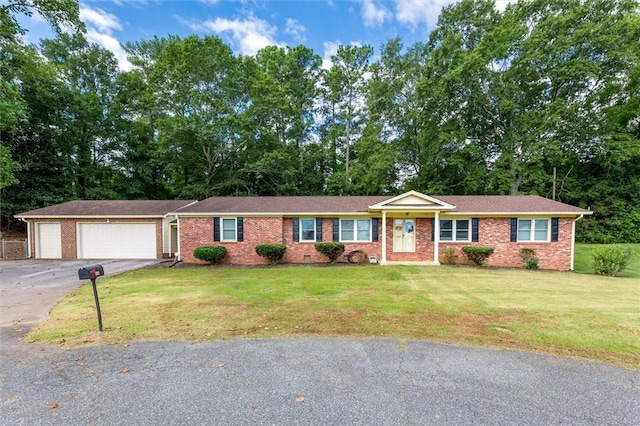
{"x": 568, "y": 314}
{"x": 583, "y": 260}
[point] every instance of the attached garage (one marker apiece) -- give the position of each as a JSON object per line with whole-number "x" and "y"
{"x": 48, "y": 241}
{"x": 104, "y": 229}
{"x": 117, "y": 241}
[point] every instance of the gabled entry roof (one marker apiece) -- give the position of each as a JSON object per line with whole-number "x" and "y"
{"x": 412, "y": 200}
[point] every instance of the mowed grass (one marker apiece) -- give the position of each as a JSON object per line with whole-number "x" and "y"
{"x": 583, "y": 260}
{"x": 569, "y": 314}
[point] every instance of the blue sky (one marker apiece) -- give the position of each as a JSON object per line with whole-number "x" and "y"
{"x": 249, "y": 25}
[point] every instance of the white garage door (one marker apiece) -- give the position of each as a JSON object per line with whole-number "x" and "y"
{"x": 49, "y": 241}
{"x": 116, "y": 241}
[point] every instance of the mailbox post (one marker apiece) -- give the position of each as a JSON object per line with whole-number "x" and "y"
{"x": 92, "y": 272}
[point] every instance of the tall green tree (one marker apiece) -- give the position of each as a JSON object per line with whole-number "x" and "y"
{"x": 345, "y": 105}
{"x": 533, "y": 82}
{"x": 201, "y": 99}
{"x": 85, "y": 126}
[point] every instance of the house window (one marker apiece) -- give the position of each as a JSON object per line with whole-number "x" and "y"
{"x": 533, "y": 229}
{"x": 454, "y": 230}
{"x": 307, "y": 230}
{"x": 355, "y": 230}
{"x": 229, "y": 229}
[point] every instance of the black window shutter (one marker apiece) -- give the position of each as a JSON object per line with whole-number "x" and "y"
{"x": 240, "y": 229}
{"x": 514, "y": 229}
{"x": 216, "y": 229}
{"x": 374, "y": 231}
{"x": 474, "y": 229}
{"x": 433, "y": 229}
{"x": 318, "y": 229}
{"x": 296, "y": 229}
{"x": 336, "y": 229}
{"x": 554, "y": 229}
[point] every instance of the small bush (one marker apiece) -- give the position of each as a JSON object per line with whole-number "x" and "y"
{"x": 529, "y": 259}
{"x": 211, "y": 254}
{"x": 449, "y": 256}
{"x": 477, "y": 254}
{"x": 331, "y": 250}
{"x": 273, "y": 252}
{"x": 610, "y": 260}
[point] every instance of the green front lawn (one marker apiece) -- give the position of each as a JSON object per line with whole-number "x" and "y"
{"x": 568, "y": 314}
{"x": 582, "y": 261}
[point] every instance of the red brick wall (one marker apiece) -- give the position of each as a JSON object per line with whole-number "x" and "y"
{"x": 196, "y": 232}
{"x": 495, "y": 232}
{"x": 69, "y": 238}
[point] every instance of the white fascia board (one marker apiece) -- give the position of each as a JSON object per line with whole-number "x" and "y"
{"x": 111, "y": 216}
{"x": 512, "y": 214}
{"x": 275, "y": 214}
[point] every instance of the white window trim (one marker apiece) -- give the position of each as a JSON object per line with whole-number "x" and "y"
{"x": 235, "y": 230}
{"x": 453, "y": 230}
{"x": 300, "y": 239}
{"x": 355, "y": 230}
{"x": 533, "y": 230}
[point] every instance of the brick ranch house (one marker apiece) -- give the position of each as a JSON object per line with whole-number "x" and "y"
{"x": 408, "y": 228}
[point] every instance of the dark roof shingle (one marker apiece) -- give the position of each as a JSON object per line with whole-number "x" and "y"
{"x": 111, "y": 208}
{"x": 360, "y": 204}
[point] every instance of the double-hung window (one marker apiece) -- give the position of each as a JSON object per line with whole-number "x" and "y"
{"x": 229, "y": 228}
{"x": 533, "y": 229}
{"x": 307, "y": 230}
{"x": 454, "y": 230}
{"x": 355, "y": 230}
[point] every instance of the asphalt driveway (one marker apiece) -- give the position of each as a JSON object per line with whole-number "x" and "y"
{"x": 310, "y": 382}
{"x": 30, "y": 288}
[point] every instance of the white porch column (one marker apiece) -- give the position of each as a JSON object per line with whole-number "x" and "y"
{"x": 436, "y": 238}
{"x": 384, "y": 237}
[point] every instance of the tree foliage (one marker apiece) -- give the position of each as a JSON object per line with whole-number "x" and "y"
{"x": 494, "y": 102}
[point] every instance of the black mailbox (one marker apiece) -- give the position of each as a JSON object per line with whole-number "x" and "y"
{"x": 90, "y": 272}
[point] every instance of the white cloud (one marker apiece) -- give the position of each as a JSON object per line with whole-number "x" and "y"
{"x": 416, "y": 12}
{"x": 501, "y": 5}
{"x": 99, "y": 19}
{"x": 373, "y": 14}
{"x": 249, "y": 35}
{"x": 100, "y": 27}
{"x": 330, "y": 49}
{"x": 296, "y": 30}
{"x": 110, "y": 43}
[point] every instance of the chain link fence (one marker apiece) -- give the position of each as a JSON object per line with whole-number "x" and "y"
{"x": 13, "y": 249}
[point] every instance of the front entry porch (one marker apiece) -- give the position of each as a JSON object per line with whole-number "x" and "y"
{"x": 410, "y": 229}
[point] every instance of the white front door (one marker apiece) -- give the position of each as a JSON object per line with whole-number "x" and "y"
{"x": 404, "y": 235}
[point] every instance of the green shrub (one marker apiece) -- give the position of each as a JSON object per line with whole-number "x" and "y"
{"x": 331, "y": 250}
{"x": 211, "y": 254}
{"x": 449, "y": 256}
{"x": 477, "y": 254}
{"x": 529, "y": 258}
{"x": 273, "y": 252}
{"x": 609, "y": 260}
